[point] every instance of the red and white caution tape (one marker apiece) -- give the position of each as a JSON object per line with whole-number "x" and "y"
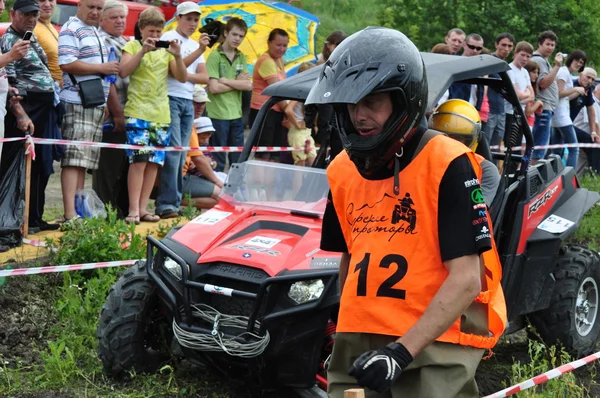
{"x": 11, "y": 139}
{"x": 555, "y": 146}
{"x": 551, "y": 374}
{"x": 31, "y": 147}
{"x": 51, "y": 141}
{"x": 64, "y": 268}
{"x": 36, "y": 243}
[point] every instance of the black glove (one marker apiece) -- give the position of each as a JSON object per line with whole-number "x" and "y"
{"x": 378, "y": 370}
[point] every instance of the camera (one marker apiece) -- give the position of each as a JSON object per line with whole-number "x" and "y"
{"x": 162, "y": 44}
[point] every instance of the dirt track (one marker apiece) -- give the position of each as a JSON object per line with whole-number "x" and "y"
{"x": 26, "y": 317}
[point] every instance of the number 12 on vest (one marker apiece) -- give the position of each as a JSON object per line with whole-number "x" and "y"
{"x": 386, "y": 289}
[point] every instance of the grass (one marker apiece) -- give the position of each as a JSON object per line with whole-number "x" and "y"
{"x": 588, "y": 231}
{"x": 542, "y": 358}
{"x": 68, "y": 362}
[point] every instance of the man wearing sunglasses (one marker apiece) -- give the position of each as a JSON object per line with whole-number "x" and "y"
{"x": 471, "y": 93}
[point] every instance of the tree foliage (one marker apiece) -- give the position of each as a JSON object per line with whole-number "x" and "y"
{"x": 426, "y": 22}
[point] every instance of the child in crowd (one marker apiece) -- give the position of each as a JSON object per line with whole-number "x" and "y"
{"x": 299, "y": 135}
{"x": 200, "y": 182}
{"x": 147, "y": 110}
{"x": 200, "y": 98}
{"x": 536, "y": 106}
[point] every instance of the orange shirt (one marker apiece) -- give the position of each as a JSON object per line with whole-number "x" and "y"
{"x": 265, "y": 68}
{"x": 193, "y": 143}
{"x": 396, "y": 266}
{"x": 48, "y": 38}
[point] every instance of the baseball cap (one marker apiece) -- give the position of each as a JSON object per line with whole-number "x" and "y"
{"x": 26, "y": 6}
{"x": 188, "y": 7}
{"x": 204, "y": 125}
{"x": 200, "y": 94}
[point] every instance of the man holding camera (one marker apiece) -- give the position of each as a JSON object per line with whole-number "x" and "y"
{"x": 31, "y": 76}
{"x": 170, "y": 186}
{"x": 547, "y": 90}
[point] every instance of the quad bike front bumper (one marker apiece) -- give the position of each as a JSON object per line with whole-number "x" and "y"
{"x": 296, "y": 329}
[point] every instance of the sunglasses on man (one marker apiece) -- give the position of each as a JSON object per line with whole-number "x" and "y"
{"x": 474, "y": 48}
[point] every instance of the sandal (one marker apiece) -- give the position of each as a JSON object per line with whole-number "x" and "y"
{"x": 132, "y": 220}
{"x": 150, "y": 218}
{"x": 68, "y": 224}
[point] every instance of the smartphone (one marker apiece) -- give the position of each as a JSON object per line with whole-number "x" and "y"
{"x": 162, "y": 44}
{"x": 27, "y": 35}
{"x": 21, "y": 93}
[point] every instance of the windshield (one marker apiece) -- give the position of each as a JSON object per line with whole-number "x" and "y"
{"x": 295, "y": 188}
{"x": 62, "y": 13}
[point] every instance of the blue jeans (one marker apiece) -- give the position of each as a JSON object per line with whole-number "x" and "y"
{"x": 541, "y": 132}
{"x": 227, "y": 133}
{"x": 494, "y": 129}
{"x": 566, "y": 134}
{"x": 170, "y": 181}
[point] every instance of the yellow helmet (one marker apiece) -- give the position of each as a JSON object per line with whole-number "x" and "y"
{"x": 459, "y": 119}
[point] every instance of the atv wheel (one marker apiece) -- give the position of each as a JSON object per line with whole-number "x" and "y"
{"x": 573, "y": 318}
{"x": 131, "y": 327}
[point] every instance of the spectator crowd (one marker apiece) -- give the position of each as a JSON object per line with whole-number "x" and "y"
{"x": 558, "y": 94}
{"x": 91, "y": 83}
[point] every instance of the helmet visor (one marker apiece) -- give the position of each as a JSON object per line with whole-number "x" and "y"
{"x": 456, "y": 126}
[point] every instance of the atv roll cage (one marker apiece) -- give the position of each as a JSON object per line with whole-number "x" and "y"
{"x": 521, "y": 188}
{"x": 442, "y": 71}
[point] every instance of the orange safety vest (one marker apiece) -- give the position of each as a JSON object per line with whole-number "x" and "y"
{"x": 396, "y": 266}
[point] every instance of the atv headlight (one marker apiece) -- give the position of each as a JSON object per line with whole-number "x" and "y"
{"x": 304, "y": 291}
{"x": 172, "y": 267}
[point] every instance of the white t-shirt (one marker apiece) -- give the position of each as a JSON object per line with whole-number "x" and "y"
{"x": 473, "y": 97}
{"x": 520, "y": 77}
{"x": 562, "y": 113}
{"x": 3, "y": 94}
{"x": 188, "y": 46}
{"x": 582, "y": 120}
{"x": 299, "y": 112}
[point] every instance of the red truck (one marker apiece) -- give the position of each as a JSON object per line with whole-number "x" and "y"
{"x": 68, "y": 8}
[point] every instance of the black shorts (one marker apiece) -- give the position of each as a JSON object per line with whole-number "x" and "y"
{"x": 272, "y": 134}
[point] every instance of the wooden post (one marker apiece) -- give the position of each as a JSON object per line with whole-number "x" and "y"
{"x": 27, "y": 190}
{"x": 354, "y": 393}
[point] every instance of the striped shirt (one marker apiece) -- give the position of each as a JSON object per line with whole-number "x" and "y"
{"x": 78, "y": 41}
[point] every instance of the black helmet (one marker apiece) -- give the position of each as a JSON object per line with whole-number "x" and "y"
{"x": 374, "y": 60}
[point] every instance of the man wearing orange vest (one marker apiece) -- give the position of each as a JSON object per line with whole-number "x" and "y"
{"x": 419, "y": 273}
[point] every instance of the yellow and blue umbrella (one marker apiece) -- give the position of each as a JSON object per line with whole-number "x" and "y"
{"x": 262, "y": 17}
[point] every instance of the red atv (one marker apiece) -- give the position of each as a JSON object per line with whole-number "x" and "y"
{"x": 244, "y": 290}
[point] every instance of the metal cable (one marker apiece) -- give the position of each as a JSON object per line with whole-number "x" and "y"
{"x": 214, "y": 342}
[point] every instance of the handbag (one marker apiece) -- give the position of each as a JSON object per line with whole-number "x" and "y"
{"x": 91, "y": 91}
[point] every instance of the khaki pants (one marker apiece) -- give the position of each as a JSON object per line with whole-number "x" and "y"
{"x": 442, "y": 370}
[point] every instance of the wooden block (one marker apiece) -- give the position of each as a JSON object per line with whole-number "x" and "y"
{"x": 354, "y": 393}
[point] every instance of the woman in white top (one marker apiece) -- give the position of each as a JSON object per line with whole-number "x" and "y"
{"x": 564, "y": 132}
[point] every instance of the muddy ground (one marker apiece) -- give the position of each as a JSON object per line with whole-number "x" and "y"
{"x": 27, "y": 315}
